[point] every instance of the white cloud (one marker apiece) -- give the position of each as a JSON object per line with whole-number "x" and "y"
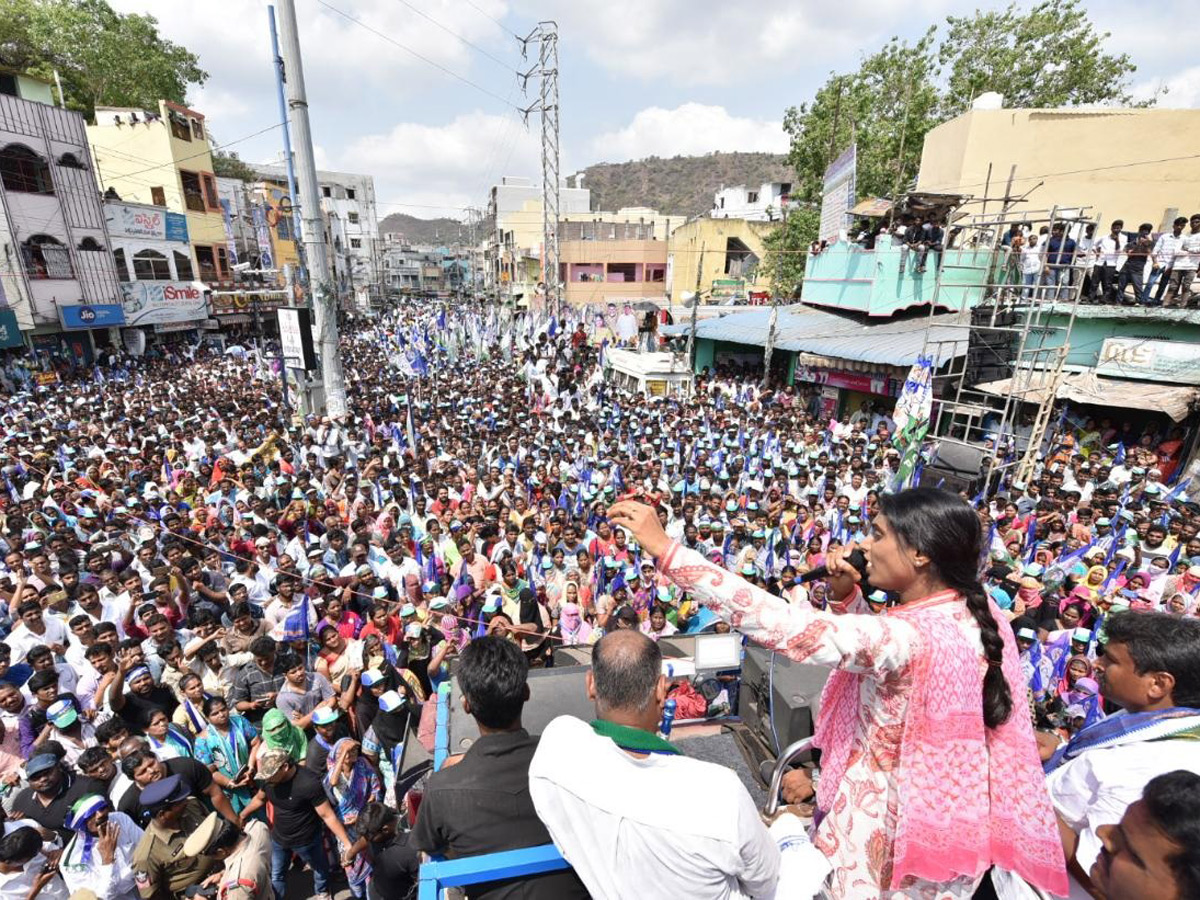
{"x": 343, "y": 61}
{"x": 1182, "y": 89}
{"x": 688, "y": 130}
{"x": 432, "y": 170}
{"x": 714, "y": 42}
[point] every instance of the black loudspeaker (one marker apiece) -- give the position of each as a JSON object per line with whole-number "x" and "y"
{"x": 553, "y": 692}
{"x": 796, "y": 696}
{"x": 960, "y": 465}
{"x": 990, "y": 350}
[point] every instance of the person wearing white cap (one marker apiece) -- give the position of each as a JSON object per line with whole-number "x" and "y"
{"x": 98, "y": 856}
{"x": 73, "y": 733}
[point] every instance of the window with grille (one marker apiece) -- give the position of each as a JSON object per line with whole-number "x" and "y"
{"x": 24, "y": 171}
{"x": 183, "y": 266}
{"x": 45, "y": 257}
{"x": 206, "y": 260}
{"x": 150, "y": 265}
{"x": 193, "y": 191}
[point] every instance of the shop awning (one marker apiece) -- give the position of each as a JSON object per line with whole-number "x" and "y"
{"x": 1088, "y": 387}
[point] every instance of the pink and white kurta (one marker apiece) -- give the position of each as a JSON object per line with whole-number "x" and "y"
{"x": 859, "y": 829}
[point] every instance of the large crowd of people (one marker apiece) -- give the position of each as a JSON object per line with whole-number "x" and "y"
{"x": 214, "y": 607}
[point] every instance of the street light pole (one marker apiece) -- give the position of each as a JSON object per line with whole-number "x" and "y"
{"x": 324, "y": 300}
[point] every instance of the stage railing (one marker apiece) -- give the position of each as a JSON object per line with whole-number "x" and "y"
{"x": 439, "y": 874}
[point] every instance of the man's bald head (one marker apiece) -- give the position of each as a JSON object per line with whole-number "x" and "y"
{"x": 626, "y": 672}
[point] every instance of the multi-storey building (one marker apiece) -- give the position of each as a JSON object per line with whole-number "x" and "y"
{"x": 164, "y": 159}
{"x": 58, "y": 283}
{"x": 351, "y": 229}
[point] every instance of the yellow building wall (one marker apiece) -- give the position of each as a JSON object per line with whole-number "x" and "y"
{"x": 1101, "y": 158}
{"x": 135, "y": 159}
{"x": 604, "y": 252}
{"x": 284, "y": 251}
{"x": 712, "y": 236}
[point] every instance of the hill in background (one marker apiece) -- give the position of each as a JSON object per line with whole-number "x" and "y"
{"x": 428, "y": 231}
{"x": 681, "y": 185}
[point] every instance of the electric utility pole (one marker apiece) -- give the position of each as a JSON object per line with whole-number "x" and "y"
{"x": 545, "y": 35}
{"x": 324, "y": 300}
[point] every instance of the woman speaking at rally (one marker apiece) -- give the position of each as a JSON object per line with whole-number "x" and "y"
{"x": 929, "y": 770}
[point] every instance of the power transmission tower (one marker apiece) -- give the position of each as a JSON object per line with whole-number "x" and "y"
{"x": 324, "y": 299}
{"x": 545, "y": 35}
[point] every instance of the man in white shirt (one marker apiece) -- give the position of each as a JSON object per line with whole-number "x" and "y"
{"x": 36, "y": 628}
{"x": 1183, "y": 270}
{"x": 706, "y": 841}
{"x": 1110, "y": 256}
{"x": 1162, "y": 259}
{"x": 1150, "y": 667}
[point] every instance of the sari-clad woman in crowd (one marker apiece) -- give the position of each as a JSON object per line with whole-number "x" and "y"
{"x": 351, "y": 783}
{"x": 166, "y": 740}
{"x": 572, "y": 630}
{"x": 229, "y": 747}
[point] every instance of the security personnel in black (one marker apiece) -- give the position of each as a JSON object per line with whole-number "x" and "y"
{"x": 161, "y": 869}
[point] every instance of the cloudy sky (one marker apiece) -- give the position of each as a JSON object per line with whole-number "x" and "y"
{"x": 424, "y": 95}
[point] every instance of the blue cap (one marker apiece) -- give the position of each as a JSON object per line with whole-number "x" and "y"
{"x": 371, "y": 676}
{"x": 163, "y": 792}
{"x": 40, "y": 763}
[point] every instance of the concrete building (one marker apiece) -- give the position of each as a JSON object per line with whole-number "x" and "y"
{"x": 416, "y": 269}
{"x": 513, "y": 251}
{"x": 765, "y": 203}
{"x": 58, "y": 282}
{"x": 159, "y": 291}
{"x": 1131, "y": 164}
{"x": 351, "y": 228}
{"x": 262, "y": 233}
{"x": 614, "y": 257}
{"x": 731, "y": 262}
{"x": 164, "y": 159}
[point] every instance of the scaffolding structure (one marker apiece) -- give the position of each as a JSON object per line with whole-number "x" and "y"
{"x": 1022, "y": 331}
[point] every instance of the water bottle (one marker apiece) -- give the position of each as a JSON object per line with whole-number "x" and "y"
{"x": 668, "y": 718}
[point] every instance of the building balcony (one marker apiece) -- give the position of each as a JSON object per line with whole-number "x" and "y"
{"x": 845, "y": 276}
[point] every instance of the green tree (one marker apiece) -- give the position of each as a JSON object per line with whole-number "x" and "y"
{"x": 886, "y": 107}
{"x": 227, "y": 164}
{"x": 786, "y": 249}
{"x": 1051, "y": 55}
{"x": 104, "y": 58}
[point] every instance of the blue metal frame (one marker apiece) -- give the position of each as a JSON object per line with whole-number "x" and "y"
{"x": 441, "y": 873}
{"x": 436, "y": 875}
{"x": 441, "y": 735}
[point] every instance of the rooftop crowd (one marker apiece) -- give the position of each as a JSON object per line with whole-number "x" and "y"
{"x": 212, "y": 608}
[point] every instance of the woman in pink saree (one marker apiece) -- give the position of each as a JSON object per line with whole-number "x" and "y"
{"x": 930, "y": 772}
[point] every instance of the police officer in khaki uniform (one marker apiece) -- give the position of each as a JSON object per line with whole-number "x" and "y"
{"x": 162, "y": 871}
{"x": 247, "y": 857}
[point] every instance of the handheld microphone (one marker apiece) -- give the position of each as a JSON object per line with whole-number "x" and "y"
{"x": 856, "y": 559}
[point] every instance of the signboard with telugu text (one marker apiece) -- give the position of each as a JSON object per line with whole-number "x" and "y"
{"x": 149, "y": 222}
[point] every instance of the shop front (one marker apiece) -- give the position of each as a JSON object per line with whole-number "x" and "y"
{"x": 244, "y": 315}
{"x": 843, "y": 391}
{"x": 86, "y": 328}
